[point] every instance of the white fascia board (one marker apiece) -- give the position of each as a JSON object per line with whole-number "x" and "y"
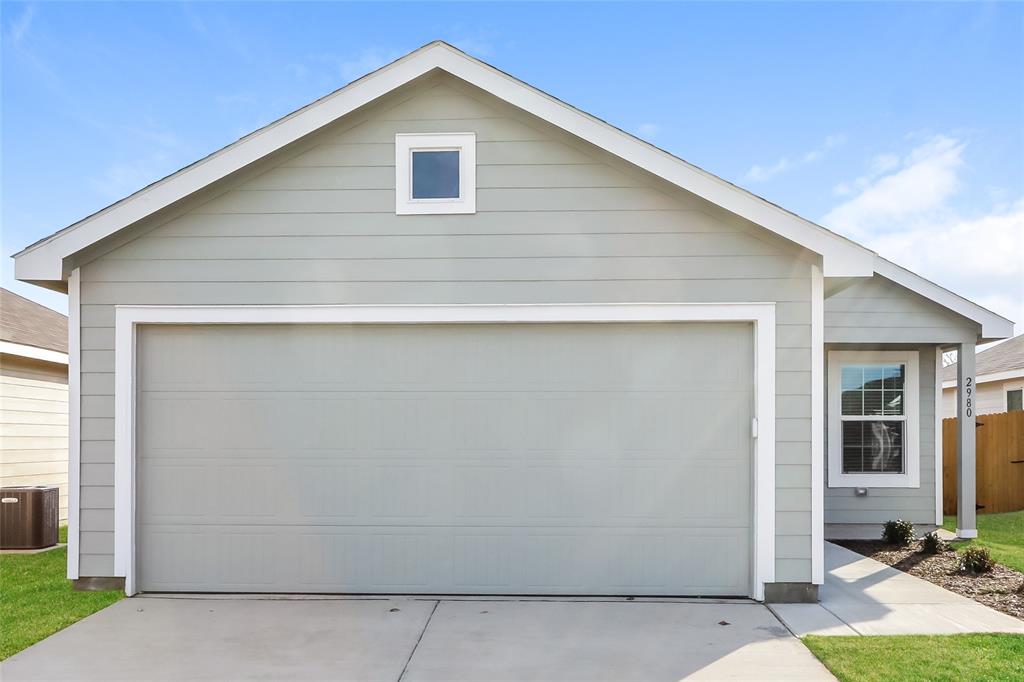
{"x": 44, "y": 261}
{"x": 993, "y": 326}
{"x": 33, "y": 352}
{"x": 842, "y": 257}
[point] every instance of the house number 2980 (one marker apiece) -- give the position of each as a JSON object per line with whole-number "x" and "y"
{"x": 968, "y": 392}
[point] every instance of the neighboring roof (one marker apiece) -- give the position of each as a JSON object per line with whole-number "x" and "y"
{"x": 44, "y": 261}
{"x": 27, "y": 327}
{"x": 1004, "y": 361}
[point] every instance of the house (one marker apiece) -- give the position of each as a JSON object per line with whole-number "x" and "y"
{"x": 33, "y": 395}
{"x": 999, "y": 377}
{"x": 440, "y": 332}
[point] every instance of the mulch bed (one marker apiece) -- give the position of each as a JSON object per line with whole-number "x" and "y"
{"x": 1001, "y": 589}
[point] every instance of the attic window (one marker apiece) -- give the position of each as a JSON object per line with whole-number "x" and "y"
{"x": 435, "y": 173}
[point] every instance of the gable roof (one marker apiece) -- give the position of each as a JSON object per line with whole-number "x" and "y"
{"x": 44, "y": 261}
{"x": 1005, "y": 361}
{"x": 27, "y": 327}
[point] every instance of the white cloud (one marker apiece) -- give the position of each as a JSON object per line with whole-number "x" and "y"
{"x": 901, "y": 209}
{"x": 925, "y": 179}
{"x": 981, "y": 258}
{"x": 366, "y": 61}
{"x": 475, "y": 46}
{"x": 648, "y": 130}
{"x": 765, "y": 173}
{"x": 121, "y": 178}
{"x": 21, "y": 24}
{"x": 883, "y": 163}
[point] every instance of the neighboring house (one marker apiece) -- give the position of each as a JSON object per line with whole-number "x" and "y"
{"x": 440, "y": 332}
{"x": 999, "y": 377}
{"x": 33, "y": 395}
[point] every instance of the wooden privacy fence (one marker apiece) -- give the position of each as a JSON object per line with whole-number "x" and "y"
{"x": 999, "y": 459}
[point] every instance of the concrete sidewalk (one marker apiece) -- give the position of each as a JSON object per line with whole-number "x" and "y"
{"x": 862, "y": 596}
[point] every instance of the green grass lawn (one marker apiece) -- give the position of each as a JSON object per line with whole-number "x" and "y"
{"x": 935, "y": 658}
{"x": 1003, "y": 534}
{"x": 36, "y": 599}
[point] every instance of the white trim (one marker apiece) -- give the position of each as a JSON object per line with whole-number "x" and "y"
{"x": 937, "y": 437}
{"x": 74, "y": 420}
{"x": 988, "y": 378}
{"x": 992, "y": 326}
{"x": 33, "y": 352}
{"x": 406, "y": 144}
{"x": 911, "y": 477}
{"x": 762, "y": 315}
{"x": 817, "y": 426}
{"x": 44, "y": 261}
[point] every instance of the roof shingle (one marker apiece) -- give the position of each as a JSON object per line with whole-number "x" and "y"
{"x": 1008, "y": 355}
{"x": 30, "y": 324}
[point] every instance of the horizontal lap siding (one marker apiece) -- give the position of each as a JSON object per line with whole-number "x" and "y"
{"x": 878, "y": 311}
{"x": 873, "y": 313}
{"x": 557, "y": 222}
{"x": 34, "y": 425}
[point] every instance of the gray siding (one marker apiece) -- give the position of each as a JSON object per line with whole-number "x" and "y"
{"x": 866, "y": 315}
{"x": 877, "y": 311}
{"x": 882, "y": 504}
{"x": 558, "y": 222}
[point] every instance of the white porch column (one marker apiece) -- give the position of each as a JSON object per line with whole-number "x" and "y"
{"x": 966, "y": 526}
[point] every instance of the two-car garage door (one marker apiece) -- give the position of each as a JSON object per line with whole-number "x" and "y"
{"x": 477, "y": 459}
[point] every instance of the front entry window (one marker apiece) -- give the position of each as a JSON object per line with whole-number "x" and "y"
{"x": 873, "y": 425}
{"x": 873, "y": 418}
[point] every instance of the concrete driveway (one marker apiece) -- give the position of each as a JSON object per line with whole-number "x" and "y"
{"x": 420, "y": 639}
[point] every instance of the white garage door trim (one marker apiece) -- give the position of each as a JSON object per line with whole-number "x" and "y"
{"x": 762, "y": 315}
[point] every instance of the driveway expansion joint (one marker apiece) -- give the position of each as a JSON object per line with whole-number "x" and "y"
{"x": 418, "y": 640}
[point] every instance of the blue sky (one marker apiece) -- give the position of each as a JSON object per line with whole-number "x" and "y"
{"x": 900, "y": 125}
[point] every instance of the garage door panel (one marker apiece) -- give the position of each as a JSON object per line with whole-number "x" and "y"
{"x": 548, "y": 459}
{"x": 683, "y": 494}
{"x": 432, "y": 560}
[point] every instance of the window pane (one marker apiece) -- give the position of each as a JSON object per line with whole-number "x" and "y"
{"x": 435, "y": 175}
{"x": 853, "y": 377}
{"x": 873, "y": 447}
{"x": 893, "y": 377}
{"x": 893, "y": 403}
{"x": 872, "y": 402}
{"x": 853, "y": 402}
{"x": 872, "y": 390}
{"x": 1015, "y": 400}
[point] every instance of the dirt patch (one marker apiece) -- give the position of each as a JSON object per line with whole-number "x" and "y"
{"x": 1002, "y": 588}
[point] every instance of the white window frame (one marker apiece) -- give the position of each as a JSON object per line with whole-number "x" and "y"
{"x": 761, "y": 315}
{"x": 911, "y": 476}
{"x": 406, "y": 144}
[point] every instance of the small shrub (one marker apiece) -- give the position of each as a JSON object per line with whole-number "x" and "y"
{"x": 976, "y": 559}
{"x": 933, "y": 544}
{"x": 898, "y": 532}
